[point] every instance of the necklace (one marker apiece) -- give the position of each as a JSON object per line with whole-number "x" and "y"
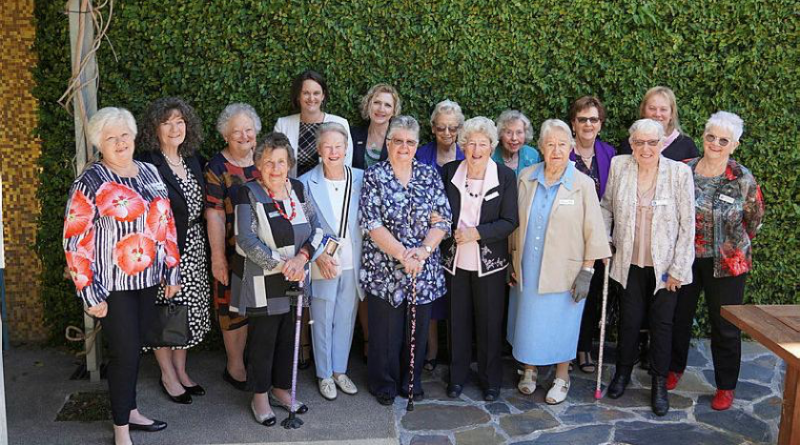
{"x": 174, "y": 164}
{"x": 235, "y": 161}
{"x": 278, "y": 208}
{"x": 466, "y": 187}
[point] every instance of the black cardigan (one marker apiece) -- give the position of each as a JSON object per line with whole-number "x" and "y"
{"x": 359, "y": 135}
{"x": 681, "y": 148}
{"x": 499, "y": 218}
{"x": 174, "y": 192}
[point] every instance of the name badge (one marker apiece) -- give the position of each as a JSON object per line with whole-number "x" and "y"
{"x": 491, "y": 196}
{"x": 566, "y": 202}
{"x": 659, "y": 202}
{"x": 726, "y": 198}
{"x": 273, "y": 214}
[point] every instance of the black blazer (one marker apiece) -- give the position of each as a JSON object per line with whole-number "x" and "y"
{"x": 680, "y": 149}
{"x": 499, "y": 218}
{"x": 359, "y": 135}
{"x": 176, "y": 198}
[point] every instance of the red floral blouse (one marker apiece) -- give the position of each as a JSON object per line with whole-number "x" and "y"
{"x": 119, "y": 233}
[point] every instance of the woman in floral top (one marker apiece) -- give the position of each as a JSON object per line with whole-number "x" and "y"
{"x": 729, "y": 208}
{"x": 121, "y": 243}
{"x": 396, "y": 205}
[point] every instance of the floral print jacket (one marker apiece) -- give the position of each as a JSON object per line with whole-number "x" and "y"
{"x": 119, "y": 233}
{"x": 738, "y": 209}
{"x": 406, "y": 213}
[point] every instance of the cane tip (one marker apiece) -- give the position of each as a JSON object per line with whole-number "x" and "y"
{"x": 598, "y": 395}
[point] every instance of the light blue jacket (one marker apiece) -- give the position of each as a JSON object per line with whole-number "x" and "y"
{"x": 527, "y": 157}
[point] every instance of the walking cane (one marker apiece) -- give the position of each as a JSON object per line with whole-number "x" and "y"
{"x": 597, "y": 393}
{"x": 412, "y": 343}
{"x": 294, "y": 422}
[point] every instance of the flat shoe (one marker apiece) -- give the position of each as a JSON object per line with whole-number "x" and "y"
{"x": 183, "y": 399}
{"x": 346, "y": 385}
{"x": 238, "y": 384}
{"x": 300, "y": 408}
{"x": 327, "y": 388}
{"x": 385, "y": 399}
{"x": 157, "y": 425}
{"x": 267, "y": 420}
{"x": 430, "y": 365}
{"x": 527, "y": 384}
{"x": 490, "y": 395}
{"x": 587, "y": 366}
{"x": 558, "y": 392}
{"x": 195, "y": 390}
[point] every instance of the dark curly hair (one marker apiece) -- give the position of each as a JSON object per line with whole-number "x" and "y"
{"x": 159, "y": 112}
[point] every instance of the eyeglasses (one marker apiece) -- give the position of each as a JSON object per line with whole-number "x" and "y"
{"x": 442, "y": 129}
{"x": 399, "y": 142}
{"x": 639, "y": 144}
{"x": 722, "y": 142}
{"x": 584, "y": 120}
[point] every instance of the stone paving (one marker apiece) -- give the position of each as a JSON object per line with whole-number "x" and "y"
{"x": 581, "y": 420}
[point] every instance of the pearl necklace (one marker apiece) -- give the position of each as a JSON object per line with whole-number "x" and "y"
{"x": 174, "y": 164}
{"x": 466, "y": 187}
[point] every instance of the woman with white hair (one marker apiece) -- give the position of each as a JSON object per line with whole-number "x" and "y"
{"x": 649, "y": 203}
{"x": 121, "y": 244}
{"x": 483, "y": 199}
{"x": 239, "y": 125}
{"x": 515, "y": 131}
{"x": 729, "y": 209}
{"x": 561, "y": 234}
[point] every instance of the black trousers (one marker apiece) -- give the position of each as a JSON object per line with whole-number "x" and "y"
{"x": 726, "y": 339}
{"x": 637, "y": 305}
{"x": 389, "y": 340}
{"x": 476, "y": 305}
{"x": 270, "y": 351}
{"x": 129, "y": 313}
{"x": 592, "y": 308}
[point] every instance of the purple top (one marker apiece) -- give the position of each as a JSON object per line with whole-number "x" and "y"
{"x": 603, "y": 152}
{"x": 427, "y": 155}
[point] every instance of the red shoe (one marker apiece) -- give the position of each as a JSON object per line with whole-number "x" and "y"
{"x": 672, "y": 379}
{"x": 723, "y": 399}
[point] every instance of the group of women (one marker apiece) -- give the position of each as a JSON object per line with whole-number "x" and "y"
{"x": 366, "y": 223}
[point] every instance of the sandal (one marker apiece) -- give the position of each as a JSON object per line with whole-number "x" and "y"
{"x": 586, "y": 365}
{"x": 430, "y": 365}
{"x": 527, "y": 383}
{"x": 558, "y": 392}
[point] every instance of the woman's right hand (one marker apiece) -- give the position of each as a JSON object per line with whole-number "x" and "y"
{"x": 98, "y": 310}
{"x": 436, "y": 218}
{"x": 328, "y": 266}
{"x": 219, "y": 268}
{"x": 411, "y": 263}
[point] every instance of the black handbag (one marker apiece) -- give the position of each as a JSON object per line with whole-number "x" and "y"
{"x": 169, "y": 327}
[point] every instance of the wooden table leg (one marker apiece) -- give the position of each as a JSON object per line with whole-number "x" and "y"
{"x": 788, "y": 434}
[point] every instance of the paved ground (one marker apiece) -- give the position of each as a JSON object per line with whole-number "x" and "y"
{"x": 37, "y": 385}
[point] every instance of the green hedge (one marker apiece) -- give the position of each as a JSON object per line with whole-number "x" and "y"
{"x": 537, "y": 56}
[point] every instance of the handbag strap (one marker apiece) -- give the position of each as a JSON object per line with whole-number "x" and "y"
{"x": 348, "y": 194}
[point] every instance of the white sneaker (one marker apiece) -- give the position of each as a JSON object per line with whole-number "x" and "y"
{"x": 327, "y": 388}
{"x": 558, "y": 393}
{"x": 345, "y": 384}
{"x": 527, "y": 384}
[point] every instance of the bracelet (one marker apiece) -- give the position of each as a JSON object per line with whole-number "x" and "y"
{"x": 305, "y": 254}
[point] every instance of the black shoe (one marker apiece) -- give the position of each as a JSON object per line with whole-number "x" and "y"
{"x": 238, "y": 384}
{"x": 195, "y": 390}
{"x": 157, "y": 425}
{"x": 385, "y": 399}
{"x": 659, "y": 398}
{"x": 268, "y": 420}
{"x": 491, "y": 394}
{"x": 453, "y": 391}
{"x": 618, "y": 384}
{"x": 184, "y": 399}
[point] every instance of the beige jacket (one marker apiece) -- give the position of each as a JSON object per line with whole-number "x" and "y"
{"x": 672, "y": 239}
{"x": 575, "y": 231}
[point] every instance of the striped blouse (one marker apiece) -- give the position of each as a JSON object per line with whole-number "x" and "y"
{"x": 119, "y": 233}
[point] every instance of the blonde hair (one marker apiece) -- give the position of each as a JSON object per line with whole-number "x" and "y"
{"x": 378, "y": 89}
{"x": 670, "y": 96}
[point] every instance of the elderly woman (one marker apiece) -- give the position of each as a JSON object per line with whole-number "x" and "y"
{"x": 378, "y": 107}
{"x": 660, "y": 105}
{"x": 238, "y": 124}
{"x": 592, "y": 157}
{"x": 483, "y": 199}
{"x": 120, "y": 245}
{"x": 515, "y": 131}
{"x": 171, "y": 134}
{"x": 277, "y": 234}
{"x": 309, "y": 94}
{"x": 335, "y": 189}
{"x": 561, "y": 235}
{"x": 649, "y": 201}
{"x": 446, "y": 121}
{"x": 400, "y": 250}
{"x": 729, "y": 209}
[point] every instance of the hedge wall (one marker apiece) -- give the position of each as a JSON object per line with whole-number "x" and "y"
{"x": 537, "y": 56}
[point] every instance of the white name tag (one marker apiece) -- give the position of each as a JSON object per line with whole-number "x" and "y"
{"x": 566, "y": 202}
{"x": 491, "y": 196}
{"x": 726, "y": 198}
{"x": 273, "y": 214}
{"x": 659, "y": 202}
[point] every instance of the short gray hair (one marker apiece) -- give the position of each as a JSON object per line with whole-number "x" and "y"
{"x": 403, "y": 122}
{"x": 509, "y": 116}
{"x": 234, "y": 110}
{"x": 727, "y": 121}
{"x": 555, "y": 124}
{"x": 478, "y": 124}
{"x": 647, "y": 125}
{"x": 447, "y": 106}
{"x": 332, "y": 127}
{"x": 107, "y": 116}
{"x": 271, "y": 142}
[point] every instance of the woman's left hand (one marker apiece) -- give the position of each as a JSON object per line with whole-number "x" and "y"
{"x": 673, "y": 285}
{"x": 171, "y": 291}
{"x": 467, "y": 235}
{"x": 294, "y": 269}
